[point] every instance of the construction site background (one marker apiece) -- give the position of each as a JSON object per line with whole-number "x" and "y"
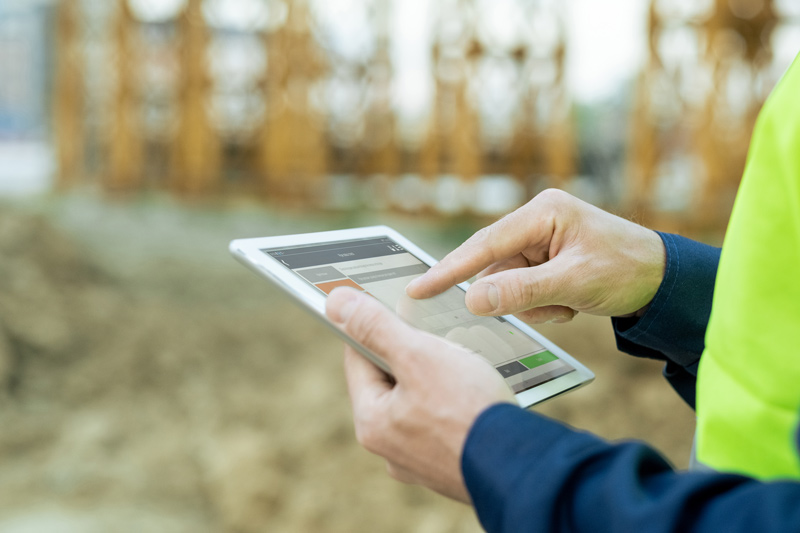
{"x": 148, "y": 382}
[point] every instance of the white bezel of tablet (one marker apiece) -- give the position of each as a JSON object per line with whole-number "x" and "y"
{"x": 249, "y": 252}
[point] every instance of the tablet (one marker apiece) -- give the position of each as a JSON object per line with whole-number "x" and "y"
{"x": 381, "y": 262}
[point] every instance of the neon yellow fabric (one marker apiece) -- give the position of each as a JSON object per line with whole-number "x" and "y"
{"x": 748, "y": 389}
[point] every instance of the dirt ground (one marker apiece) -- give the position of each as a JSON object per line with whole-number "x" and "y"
{"x": 150, "y": 383}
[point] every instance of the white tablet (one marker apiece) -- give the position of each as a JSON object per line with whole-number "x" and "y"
{"x": 381, "y": 262}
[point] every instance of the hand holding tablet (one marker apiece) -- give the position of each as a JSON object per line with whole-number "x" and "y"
{"x": 381, "y": 262}
{"x": 418, "y": 420}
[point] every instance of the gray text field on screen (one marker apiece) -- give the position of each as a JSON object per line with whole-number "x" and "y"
{"x": 389, "y": 273}
{"x": 318, "y": 275}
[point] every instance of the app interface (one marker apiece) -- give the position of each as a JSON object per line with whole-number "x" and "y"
{"x": 382, "y": 268}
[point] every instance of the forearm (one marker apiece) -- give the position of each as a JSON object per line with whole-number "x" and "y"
{"x": 543, "y": 476}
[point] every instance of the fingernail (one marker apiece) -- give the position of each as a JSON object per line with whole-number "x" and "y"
{"x": 483, "y": 298}
{"x": 561, "y": 319}
{"x": 342, "y": 302}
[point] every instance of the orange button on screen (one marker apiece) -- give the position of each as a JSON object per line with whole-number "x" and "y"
{"x": 329, "y": 286}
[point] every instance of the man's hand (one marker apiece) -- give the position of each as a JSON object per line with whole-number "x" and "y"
{"x": 551, "y": 258}
{"x": 419, "y": 419}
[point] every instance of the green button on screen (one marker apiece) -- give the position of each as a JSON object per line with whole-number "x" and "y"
{"x": 538, "y": 360}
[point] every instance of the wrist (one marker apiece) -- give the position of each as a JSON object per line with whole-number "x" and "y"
{"x": 650, "y": 258}
{"x": 651, "y": 274}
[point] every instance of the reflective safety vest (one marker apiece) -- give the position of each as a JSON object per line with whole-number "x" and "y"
{"x": 748, "y": 387}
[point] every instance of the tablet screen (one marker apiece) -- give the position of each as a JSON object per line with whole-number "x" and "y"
{"x": 382, "y": 268}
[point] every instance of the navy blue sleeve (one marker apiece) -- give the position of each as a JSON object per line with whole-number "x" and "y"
{"x": 543, "y": 476}
{"x": 674, "y": 327}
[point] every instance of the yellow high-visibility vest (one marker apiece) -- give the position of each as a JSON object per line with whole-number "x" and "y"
{"x": 748, "y": 387}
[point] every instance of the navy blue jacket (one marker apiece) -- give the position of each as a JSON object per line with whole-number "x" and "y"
{"x": 526, "y": 472}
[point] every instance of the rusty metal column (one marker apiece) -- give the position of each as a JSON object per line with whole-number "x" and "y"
{"x": 197, "y": 154}
{"x": 293, "y": 146}
{"x": 453, "y": 144}
{"x": 68, "y": 96}
{"x": 544, "y": 138}
{"x": 380, "y": 138}
{"x": 125, "y": 152}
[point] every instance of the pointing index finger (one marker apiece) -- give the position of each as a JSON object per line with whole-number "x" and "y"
{"x": 459, "y": 265}
{"x": 502, "y": 240}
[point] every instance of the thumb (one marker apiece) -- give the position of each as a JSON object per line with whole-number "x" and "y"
{"x": 521, "y": 289}
{"x": 372, "y": 324}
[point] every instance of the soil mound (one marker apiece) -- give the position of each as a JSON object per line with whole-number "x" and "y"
{"x": 126, "y": 407}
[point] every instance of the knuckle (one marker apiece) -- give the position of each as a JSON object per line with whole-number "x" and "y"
{"x": 554, "y": 195}
{"x": 482, "y": 236}
{"x": 483, "y": 233}
{"x": 520, "y": 294}
{"x": 552, "y": 201}
{"x": 486, "y": 240}
{"x": 504, "y": 228}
